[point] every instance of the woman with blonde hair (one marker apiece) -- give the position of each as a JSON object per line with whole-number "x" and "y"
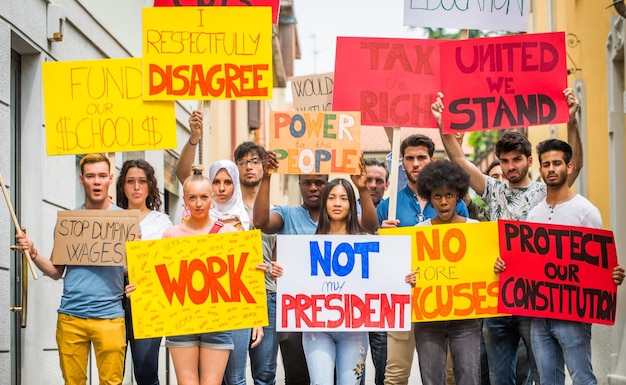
{"x": 199, "y": 359}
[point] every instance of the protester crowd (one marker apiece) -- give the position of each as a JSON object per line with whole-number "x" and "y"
{"x": 95, "y": 308}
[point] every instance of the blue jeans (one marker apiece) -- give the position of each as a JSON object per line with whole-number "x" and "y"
{"x": 263, "y": 357}
{"x": 145, "y": 353}
{"x": 326, "y": 351}
{"x": 235, "y": 373}
{"x": 431, "y": 342}
{"x": 502, "y": 336}
{"x": 557, "y": 343}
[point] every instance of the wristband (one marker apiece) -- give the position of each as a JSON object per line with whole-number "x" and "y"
{"x": 193, "y": 144}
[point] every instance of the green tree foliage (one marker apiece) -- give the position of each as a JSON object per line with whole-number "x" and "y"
{"x": 482, "y": 142}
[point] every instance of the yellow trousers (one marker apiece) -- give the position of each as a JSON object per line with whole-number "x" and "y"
{"x": 74, "y": 338}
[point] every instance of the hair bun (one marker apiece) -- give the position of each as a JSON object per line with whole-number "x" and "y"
{"x": 197, "y": 169}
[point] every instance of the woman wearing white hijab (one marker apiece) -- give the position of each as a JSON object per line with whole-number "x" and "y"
{"x": 228, "y": 204}
{"x": 228, "y": 207}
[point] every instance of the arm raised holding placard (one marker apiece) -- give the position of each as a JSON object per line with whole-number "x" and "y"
{"x": 477, "y": 179}
{"x": 188, "y": 154}
{"x": 455, "y": 151}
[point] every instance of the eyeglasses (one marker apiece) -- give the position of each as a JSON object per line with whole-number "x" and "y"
{"x": 253, "y": 161}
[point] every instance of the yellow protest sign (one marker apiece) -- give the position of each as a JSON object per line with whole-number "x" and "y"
{"x": 94, "y": 237}
{"x": 206, "y": 53}
{"x": 454, "y": 264}
{"x": 316, "y": 142}
{"x": 197, "y": 284}
{"x": 96, "y": 106}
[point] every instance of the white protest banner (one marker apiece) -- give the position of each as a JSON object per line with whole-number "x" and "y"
{"x": 495, "y": 15}
{"x": 343, "y": 283}
{"x": 313, "y": 92}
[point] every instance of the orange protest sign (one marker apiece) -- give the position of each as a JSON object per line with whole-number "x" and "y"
{"x": 197, "y": 284}
{"x": 316, "y": 142}
{"x": 207, "y": 53}
{"x": 454, "y": 264}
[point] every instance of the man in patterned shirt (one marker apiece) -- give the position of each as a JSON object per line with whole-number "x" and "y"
{"x": 512, "y": 200}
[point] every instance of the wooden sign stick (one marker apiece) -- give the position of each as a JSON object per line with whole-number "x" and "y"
{"x": 18, "y": 228}
{"x": 393, "y": 172}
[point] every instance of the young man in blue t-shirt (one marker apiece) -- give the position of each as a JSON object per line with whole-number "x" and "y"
{"x": 91, "y": 310}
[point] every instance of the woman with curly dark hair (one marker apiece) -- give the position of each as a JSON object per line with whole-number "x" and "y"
{"x": 137, "y": 189}
{"x": 443, "y": 184}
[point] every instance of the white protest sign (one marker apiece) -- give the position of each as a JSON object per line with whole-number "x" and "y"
{"x": 495, "y": 15}
{"x": 343, "y": 283}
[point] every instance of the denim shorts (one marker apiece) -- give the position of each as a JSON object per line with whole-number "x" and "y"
{"x": 214, "y": 340}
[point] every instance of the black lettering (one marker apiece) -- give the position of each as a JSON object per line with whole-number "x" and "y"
{"x": 558, "y": 235}
{"x": 526, "y": 232}
{"x": 503, "y": 108}
{"x": 510, "y": 231}
{"x": 484, "y": 110}
{"x": 471, "y": 117}
{"x": 526, "y": 109}
{"x": 547, "y": 109}
{"x": 503, "y": 296}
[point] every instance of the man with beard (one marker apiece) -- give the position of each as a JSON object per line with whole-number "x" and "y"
{"x": 416, "y": 152}
{"x": 512, "y": 200}
{"x": 377, "y": 175}
{"x": 377, "y": 183}
{"x": 558, "y": 342}
{"x": 249, "y": 160}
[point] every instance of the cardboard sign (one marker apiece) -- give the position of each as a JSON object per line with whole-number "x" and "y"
{"x": 316, "y": 142}
{"x": 197, "y": 284}
{"x": 96, "y": 106}
{"x": 313, "y": 92}
{"x": 555, "y": 271}
{"x": 504, "y": 82}
{"x": 207, "y": 53}
{"x": 501, "y": 15}
{"x": 275, "y": 4}
{"x": 454, "y": 263}
{"x": 94, "y": 237}
{"x": 392, "y": 82}
{"x": 343, "y": 283}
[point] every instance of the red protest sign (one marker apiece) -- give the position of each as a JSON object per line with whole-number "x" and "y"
{"x": 555, "y": 271}
{"x": 392, "y": 82}
{"x": 275, "y": 4}
{"x": 504, "y": 82}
